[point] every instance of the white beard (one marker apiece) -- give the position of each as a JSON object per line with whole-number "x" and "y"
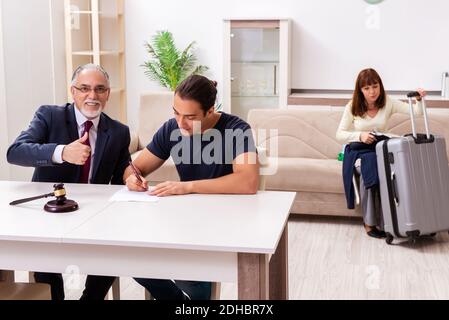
{"x": 90, "y": 114}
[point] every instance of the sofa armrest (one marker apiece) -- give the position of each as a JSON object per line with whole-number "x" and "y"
{"x": 264, "y": 164}
{"x": 134, "y": 144}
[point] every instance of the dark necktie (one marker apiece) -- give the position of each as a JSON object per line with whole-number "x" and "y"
{"x": 85, "y": 169}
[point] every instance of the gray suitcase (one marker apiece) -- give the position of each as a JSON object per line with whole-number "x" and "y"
{"x": 414, "y": 183}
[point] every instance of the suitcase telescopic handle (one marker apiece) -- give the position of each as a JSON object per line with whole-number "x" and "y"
{"x": 413, "y": 94}
{"x": 410, "y": 96}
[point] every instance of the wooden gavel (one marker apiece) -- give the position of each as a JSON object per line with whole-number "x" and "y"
{"x": 61, "y": 204}
{"x": 59, "y": 193}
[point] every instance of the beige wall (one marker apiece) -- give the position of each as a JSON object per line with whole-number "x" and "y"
{"x": 4, "y": 168}
{"x": 33, "y": 72}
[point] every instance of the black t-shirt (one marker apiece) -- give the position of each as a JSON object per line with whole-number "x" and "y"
{"x": 204, "y": 156}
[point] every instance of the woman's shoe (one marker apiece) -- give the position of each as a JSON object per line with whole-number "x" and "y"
{"x": 374, "y": 232}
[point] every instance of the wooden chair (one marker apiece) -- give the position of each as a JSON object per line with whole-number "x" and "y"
{"x": 116, "y": 289}
{"x": 10, "y": 290}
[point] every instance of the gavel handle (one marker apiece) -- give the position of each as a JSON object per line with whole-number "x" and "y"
{"x": 31, "y": 199}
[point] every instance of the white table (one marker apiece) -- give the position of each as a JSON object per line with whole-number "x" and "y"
{"x": 223, "y": 238}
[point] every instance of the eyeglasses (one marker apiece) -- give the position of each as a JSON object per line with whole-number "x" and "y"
{"x": 97, "y": 90}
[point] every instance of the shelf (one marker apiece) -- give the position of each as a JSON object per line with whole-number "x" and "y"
{"x": 256, "y": 62}
{"x": 111, "y": 53}
{"x": 82, "y": 53}
{"x": 255, "y": 96}
{"x": 118, "y": 14}
{"x": 81, "y": 12}
{"x": 341, "y": 99}
{"x": 91, "y": 53}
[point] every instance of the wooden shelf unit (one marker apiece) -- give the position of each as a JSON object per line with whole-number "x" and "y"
{"x": 95, "y": 33}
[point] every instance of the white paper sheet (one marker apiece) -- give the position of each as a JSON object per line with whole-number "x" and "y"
{"x": 124, "y": 195}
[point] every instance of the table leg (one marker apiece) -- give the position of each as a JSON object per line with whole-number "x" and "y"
{"x": 252, "y": 276}
{"x": 279, "y": 269}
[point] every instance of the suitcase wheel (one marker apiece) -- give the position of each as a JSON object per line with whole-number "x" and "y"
{"x": 389, "y": 238}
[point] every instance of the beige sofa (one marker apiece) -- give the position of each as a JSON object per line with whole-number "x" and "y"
{"x": 307, "y": 153}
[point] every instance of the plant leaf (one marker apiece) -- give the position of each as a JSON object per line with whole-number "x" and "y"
{"x": 167, "y": 65}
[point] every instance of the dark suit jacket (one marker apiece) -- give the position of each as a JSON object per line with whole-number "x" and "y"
{"x": 54, "y": 125}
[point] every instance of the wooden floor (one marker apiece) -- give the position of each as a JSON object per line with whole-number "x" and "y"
{"x": 333, "y": 258}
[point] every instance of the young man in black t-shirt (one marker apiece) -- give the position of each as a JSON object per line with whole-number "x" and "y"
{"x": 214, "y": 153}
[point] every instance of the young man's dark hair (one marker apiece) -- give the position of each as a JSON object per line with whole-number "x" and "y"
{"x": 200, "y": 89}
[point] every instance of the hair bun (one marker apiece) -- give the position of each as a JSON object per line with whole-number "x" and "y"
{"x": 214, "y": 83}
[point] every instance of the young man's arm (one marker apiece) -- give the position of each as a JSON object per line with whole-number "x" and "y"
{"x": 145, "y": 163}
{"x": 244, "y": 180}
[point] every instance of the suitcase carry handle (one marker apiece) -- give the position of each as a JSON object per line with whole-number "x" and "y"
{"x": 394, "y": 191}
{"x": 411, "y": 95}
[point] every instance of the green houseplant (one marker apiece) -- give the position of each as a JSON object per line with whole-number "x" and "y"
{"x": 168, "y": 65}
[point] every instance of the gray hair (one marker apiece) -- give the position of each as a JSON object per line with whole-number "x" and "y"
{"x": 89, "y": 66}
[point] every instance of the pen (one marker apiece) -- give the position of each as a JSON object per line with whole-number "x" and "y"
{"x": 136, "y": 173}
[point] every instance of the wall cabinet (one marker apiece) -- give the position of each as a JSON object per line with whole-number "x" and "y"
{"x": 256, "y": 65}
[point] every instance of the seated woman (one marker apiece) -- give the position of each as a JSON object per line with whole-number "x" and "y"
{"x": 368, "y": 112}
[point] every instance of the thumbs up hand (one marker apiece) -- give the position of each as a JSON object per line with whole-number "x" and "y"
{"x": 77, "y": 152}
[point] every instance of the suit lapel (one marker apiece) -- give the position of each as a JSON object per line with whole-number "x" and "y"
{"x": 102, "y": 141}
{"x": 72, "y": 126}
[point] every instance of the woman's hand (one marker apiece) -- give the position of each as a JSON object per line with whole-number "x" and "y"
{"x": 421, "y": 92}
{"x": 169, "y": 188}
{"x": 367, "y": 138}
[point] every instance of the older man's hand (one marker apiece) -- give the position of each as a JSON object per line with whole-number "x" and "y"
{"x": 77, "y": 152}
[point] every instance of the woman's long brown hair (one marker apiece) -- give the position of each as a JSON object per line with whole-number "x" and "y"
{"x": 366, "y": 77}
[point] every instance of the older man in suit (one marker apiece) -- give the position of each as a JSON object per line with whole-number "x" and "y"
{"x": 75, "y": 143}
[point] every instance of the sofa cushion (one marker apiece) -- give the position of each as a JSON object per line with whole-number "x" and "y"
{"x": 303, "y": 174}
{"x": 297, "y": 133}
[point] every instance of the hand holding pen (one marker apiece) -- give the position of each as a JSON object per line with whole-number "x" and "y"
{"x": 135, "y": 182}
